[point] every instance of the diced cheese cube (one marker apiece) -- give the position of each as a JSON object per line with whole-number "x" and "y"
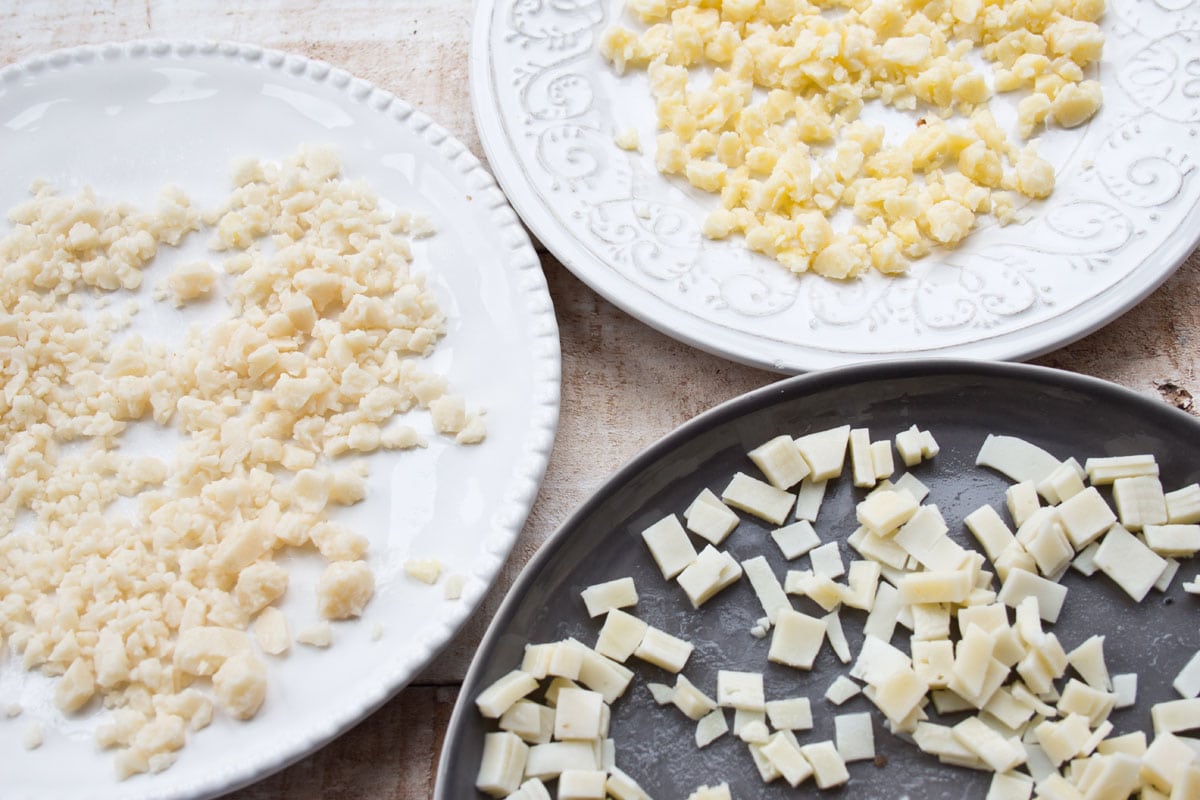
{"x": 1140, "y": 501}
{"x": 578, "y": 715}
{"x": 670, "y": 546}
{"x": 862, "y": 584}
{"x": 854, "y": 737}
{"x": 712, "y": 571}
{"x": 743, "y": 690}
{"x": 664, "y": 650}
{"x": 841, "y": 690}
{"x": 532, "y": 789}
{"x": 1165, "y": 761}
{"x": 1187, "y": 682}
{"x": 718, "y": 792}
{"x": 1183, "y": 505}
{"x": 604, "y": 675}
{"x": 502, "y": 765}
{"x": 881, "y": 458}
{"x": 828, "y": 767}
{"x": 836, "y": 636}
{"x": 1021, "y": 584}
{"x": 1065, "y": 739}
{"x": 690, "y": 700}
{"x": 827, "y": 561}
{"x": 787, "y": 759}
{"x": 883, "y": 512}
{"x": 533, "y": 722}
{"x": 792, "y": 714}
{"x": 1173, "y": 716}
{"x": 601, "y": 598}
{"x": 1125, "y": 688}
{"x": 825, "y": 452}
{"x": 1133, "y": 566}
{"x": 576, "y": 784}
{"x": 620, "y": 635}
{"x": 780, "y": 461}
{"x": 1061, "y": 484}
{"x": 508, "y": 689}
{"x": 809, "y": 498}
{"x": 881, "y": 621}
{"x": 935, "y": 587}
{"x": 1085, "y": 517}
{"x": 991, "y": 748}
{"x": 912, "y": 486}
{"x": 898, "y": 692}
{"x": 796, "y": 539}
{"x": 766, "y": 586}
{"x": 1088, "y": 661}
{"x": 1010, "y": 786}
{"x": 1103, "y": 471}
{"x": 796, "y": 639}
{"x": 908, "y": 445}
{"x": 862, "y": 464}
{"x": 1022, "y": 501}
{"x": 548, "y": 761}
{"x": 1173, "y": 540}
{"x": 934, "y": 662}
{"x": 758, "y": 498}
{"x": 712, "y": 726}
{"x": 709, "y": 518}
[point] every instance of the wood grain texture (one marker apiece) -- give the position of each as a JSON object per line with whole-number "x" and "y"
{"x": 624, "y": 384}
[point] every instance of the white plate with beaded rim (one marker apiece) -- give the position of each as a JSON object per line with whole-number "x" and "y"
{"x": 128, "y": 119}
{"x": 1124, "y": 215}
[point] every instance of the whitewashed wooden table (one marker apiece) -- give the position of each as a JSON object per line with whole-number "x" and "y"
{"x": 624, "y": 385}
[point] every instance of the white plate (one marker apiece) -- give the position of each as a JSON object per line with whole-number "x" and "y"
{"x": 1125, "y": 214}
{"x": 129, "y": 119}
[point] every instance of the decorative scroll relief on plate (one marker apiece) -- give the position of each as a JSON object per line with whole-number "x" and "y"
{"x": 1125, "y": 183}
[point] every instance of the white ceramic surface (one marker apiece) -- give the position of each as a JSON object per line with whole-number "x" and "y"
{"x": 1124, "y": 215}
{"x": 129, "y": 119}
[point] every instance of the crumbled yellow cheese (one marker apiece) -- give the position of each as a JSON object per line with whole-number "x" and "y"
{"x": 775, "y": 128}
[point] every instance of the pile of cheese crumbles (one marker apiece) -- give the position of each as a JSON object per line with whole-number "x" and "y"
{"x": 760, "y": 102}
{"x": 158, "y": 606}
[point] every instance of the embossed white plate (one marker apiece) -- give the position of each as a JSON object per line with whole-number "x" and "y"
{"x": 129, "y": 119}
{"x": 1125, "y": 214}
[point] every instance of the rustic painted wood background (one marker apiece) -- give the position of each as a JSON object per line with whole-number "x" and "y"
{"x": 624, "y": 385}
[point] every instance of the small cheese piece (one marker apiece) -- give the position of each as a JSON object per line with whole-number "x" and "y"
{"x": 881, "y": 458}
{"x": 1103, "y": 471}
{"x": 240, "y": 686}
{"x": 1140, "y": 502}
{"x": 601, "y": 598}
{"x": 533, "y": 722}
{"x": 882, "y": 513}
{"x": 506, "y": 690}
{"x": 935, "y": 587}
{"x": 1180, "y": 541}
{"x": 709, "y": 518}
{"x": 1165, "y": 761}
{"x": 796, "y": 539}
{"x": 1010, "y": 786}
{"x": 670, "y": 546}
{"x": 854, "y": 737}
{"x": 1088, "y": 661}
{"x": 1131, "y": 565}
{"x": 1174, "y": 716}
{"x": 712, "y": 726}
{"x": 1022, "y": 500}
{"x": 271, "y": 631}
{"x": 828, "y": 767}
{"x": 425, "y": 570}
{"x": 827, "y": 560}
{"x": 603, "y": 675}
{"x": 766, "y": 587}
{"x": 989, "y": 530}
{"x": 780, "y": 461}
{"x": 319, "y": 635}
{"x": 758, "y": 498}
{"x": 862, "y": 464}
{"x": 837, "y": 636}
{"x": 548, "y": 761}
{"x": 1065, "y": 739}
{"x": 202, "y": 650}
{"x": 620, "y": 635}
{"x": 718, "y": 792}
{"x": 881, "y": 621}
{"x": 1021, "y": 584}
{"x": 912, "y": 486}
{"x": 792, "y": 714}
{"x": 841, "y": 690}
{"x": 908, "y": 445}
{"x": 796, "y": 639}
{"x": 579, "y": 714}
{"x": 712, "y": 571}
{"x": 622, "y": 787}
{"x": 664, "y": 650}
{"x": 825, "y": 452}
{"x": 787, "y": 759}
{"x": 1085, "y": 517}
{"x": 1187, "y": 682}
{"x": 993, "y": 749}
{"x": 809, "y": 499}
{"x": 344, "y": 589}
{"x": 690, "y": 700}
{"x": 1183, "y": 505}
{"x": 1018, "y": 459}
{"x": 1063, "y": 483}
{"x": 532, "y": 789}
{"x": 741, "y": 690}
{"x": 1125, "y": 688}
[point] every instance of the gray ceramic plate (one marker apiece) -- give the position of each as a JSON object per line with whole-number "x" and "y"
{"x": 961, "y": 402}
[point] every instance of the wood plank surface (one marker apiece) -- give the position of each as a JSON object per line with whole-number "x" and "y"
{"x": 624, "y": 384}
